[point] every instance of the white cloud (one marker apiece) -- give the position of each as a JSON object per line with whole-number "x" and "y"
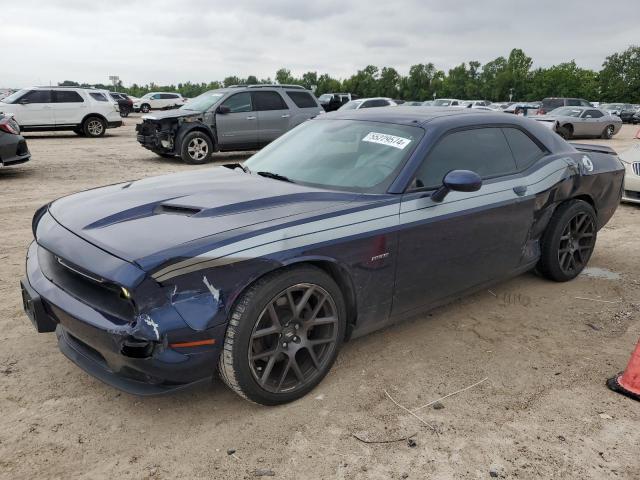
{"x": 199, "y": 40}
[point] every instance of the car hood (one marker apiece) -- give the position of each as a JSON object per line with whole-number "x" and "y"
{"x": 152, "y": 220}
{"x": 177, "y": 113}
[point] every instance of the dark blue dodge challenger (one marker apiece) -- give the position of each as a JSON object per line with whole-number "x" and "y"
{"x": 340, "y": 227}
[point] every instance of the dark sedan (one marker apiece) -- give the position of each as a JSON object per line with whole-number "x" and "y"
{"x": 342, "y": 226}
{"x": 13, "y": 146}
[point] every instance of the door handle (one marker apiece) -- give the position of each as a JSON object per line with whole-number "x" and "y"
{"x": 251, "y": 118}
{"x": 285, "y": 116}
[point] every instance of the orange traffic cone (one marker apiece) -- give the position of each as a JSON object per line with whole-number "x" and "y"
{"x": 628, "y": 383}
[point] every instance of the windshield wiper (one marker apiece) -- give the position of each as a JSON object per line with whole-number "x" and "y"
{"x": 275, "y": 176}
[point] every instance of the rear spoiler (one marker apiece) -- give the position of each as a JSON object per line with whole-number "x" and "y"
{"x": 582, "y": 147}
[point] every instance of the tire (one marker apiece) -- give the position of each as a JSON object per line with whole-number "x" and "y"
{"x": 608, "y": 132}
{"x": 145, "y": 108}
{"x": 196, "y": 148}
{"x": 259, "y": 366}
{"x": 124, "y": 113}
{"x": 568, "y": 241}
{"x": 565, "y": 132}
{"x": 94, "y": 127}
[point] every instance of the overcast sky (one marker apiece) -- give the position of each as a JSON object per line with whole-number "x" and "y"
{"x": 171, "y": 41}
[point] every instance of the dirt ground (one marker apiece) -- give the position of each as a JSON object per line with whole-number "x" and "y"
{"x": 546, "y": 350}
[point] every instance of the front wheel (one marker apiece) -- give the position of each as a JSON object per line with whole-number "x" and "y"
{"x": 197, "y": 148}
{"x": 608, "y": 132}
{"x": 568, "y": 241}
{"x": 145, "y": 108}
{"x": 284, "y": 335}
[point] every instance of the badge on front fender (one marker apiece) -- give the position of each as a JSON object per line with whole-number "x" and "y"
{"x": 588, "y": 164}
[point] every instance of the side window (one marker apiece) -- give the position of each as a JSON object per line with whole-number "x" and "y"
{"x": 593, "y": 113}
{"x": 302, "y": 99}
{"x": 157, "y": 96}
{"x": 67, "y": 96}
{"x": 525, "y": 150}
{"x": 240, "y": 102}
{"x": 268, "y": 101}
{"x": 454, "y": 103}
{"x": 367, "y": 104}
{"x": 36, "y": 96}
{"x": 584, "y": 103}
{"x": 481, "y": 150}
{"x": 573, "y": 102}
{"x": 99, "y": 96}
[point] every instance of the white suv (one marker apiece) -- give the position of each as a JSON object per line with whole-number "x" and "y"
{"x": 86, "y": 111}
{"x": 158, "y": 101}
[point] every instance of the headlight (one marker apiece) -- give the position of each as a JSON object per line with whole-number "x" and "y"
{"x": 36, "y": 218}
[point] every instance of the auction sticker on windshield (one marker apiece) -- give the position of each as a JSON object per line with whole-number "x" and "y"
{"x": 385, "y": 139}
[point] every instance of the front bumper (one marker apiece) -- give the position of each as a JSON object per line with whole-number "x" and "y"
{"x": 13, "y": 150}
{"x": 94, "y": 341}
{"x": 631, "y": 192}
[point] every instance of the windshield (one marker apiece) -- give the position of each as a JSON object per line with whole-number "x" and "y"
{"x": 203, "y": 102}
{"x": 566, "y": 112}
{"x": 441, "y": 103}
{"x": 340, "y": 154}
{"x": 14, "y": 96}
{"x": 352, "y": 105}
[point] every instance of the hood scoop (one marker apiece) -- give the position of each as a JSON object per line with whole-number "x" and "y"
{"x": 176, "y": 210}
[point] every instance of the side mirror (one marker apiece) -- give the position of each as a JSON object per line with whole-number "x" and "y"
{"x": 457, "y": 181}
{"x": 24, "y": 101}
{"x": 222, "y": 109}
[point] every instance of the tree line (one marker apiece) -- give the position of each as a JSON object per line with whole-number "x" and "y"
{"x": 497, "y": 80}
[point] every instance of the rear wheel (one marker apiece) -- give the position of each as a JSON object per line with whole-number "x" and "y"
{"x": 284, "y": 335}
{"x": 94, "y": 127}
{"x": 608, "y": 132}
{"x": 568, "y": 242}
{"x": 197, "y": 148}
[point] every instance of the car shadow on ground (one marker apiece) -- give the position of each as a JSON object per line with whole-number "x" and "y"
{"x": 16, "y": 171}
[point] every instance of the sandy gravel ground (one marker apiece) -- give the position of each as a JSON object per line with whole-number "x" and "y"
{"x": 543, "y": 412}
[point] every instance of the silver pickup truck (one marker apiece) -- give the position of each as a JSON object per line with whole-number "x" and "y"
{"x": 240, "y": 117}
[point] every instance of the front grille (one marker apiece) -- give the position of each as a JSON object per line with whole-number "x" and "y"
{"x": 636, "y": 168}
{"x": 146, "y": 128}
{"x": 86, "y": 287}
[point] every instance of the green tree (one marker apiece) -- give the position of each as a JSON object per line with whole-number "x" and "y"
{"x": 620, "y": 76}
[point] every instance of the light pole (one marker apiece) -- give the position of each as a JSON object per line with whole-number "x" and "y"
{"x": 115, "y": 79}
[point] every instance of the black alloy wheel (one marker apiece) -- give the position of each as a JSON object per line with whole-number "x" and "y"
{"x": 284, "y": 334}
{"x": 569, "y": 241}
{"x": 293, "y": 338}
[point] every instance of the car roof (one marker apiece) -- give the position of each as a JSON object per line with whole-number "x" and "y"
{"x": 412, "y": 115}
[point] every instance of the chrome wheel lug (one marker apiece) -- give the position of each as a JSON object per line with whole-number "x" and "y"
{"x": 284, "y": 344}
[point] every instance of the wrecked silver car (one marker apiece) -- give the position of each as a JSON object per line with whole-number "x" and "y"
{"x": 244, "y": 117}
